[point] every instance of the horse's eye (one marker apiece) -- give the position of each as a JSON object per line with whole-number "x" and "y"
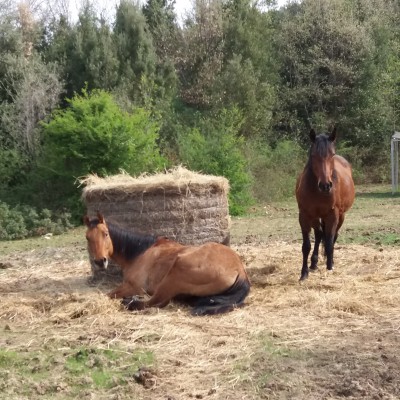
{"x": 105, "y": 234}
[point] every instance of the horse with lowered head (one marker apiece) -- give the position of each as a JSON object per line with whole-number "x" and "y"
{"x": 324, "y": 192}
{"x": 211, "y": 277}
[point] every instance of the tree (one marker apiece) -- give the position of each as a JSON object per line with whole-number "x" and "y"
{"x": 329, "y": 53}
{"x": 36, "y": 88}
{"x": 201, "y": 54}
{"x": 135, "y": 50}
{"x": 160, "y": 19}
{"x": 249, "y": 72}
{"x": 30, "y": 90}
{"x": 87, "y": 52}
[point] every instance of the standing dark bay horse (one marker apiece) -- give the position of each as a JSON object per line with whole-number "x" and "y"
{"x": 211, "y": 277}
{"x": 324, "y": 192}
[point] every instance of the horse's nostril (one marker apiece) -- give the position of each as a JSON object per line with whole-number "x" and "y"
{"x": 101, "y": 262}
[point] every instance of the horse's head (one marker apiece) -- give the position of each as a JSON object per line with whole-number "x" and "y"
{"x": 100, "y": 246}
{"x": 321, "y": 159}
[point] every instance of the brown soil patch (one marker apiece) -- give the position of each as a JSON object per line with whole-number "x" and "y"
{"x": 334, "y": 336}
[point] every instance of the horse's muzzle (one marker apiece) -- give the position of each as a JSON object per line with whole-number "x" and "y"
{"x": 102, "y": 262}
{"x": 325, "y": 187}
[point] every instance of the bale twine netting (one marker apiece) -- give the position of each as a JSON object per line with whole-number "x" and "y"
{"x": 185, "y": 206}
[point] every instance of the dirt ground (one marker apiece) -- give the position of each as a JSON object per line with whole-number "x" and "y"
{"x": 335, "y": 336}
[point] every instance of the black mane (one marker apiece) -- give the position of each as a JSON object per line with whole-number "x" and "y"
{"x": 126, "y": 243}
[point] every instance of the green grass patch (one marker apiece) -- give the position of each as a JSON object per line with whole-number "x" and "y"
{"x": 8, "y": 359}
{"x": 101, "y": 366}
{"x": 87, "y": 367}
{"x": 73, "y": 237}
{"x": 376, "y": 238}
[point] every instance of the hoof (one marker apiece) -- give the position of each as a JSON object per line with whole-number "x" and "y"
{"x": 133, "y": 303}
{"x": 303, "y": 277}
{"x": 314, "y": 268}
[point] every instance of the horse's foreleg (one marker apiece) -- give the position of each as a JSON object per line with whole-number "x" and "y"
{"x": 306, "y": 248}
{"x": 329, "y": 245}
{"x": 163, "y": 294}
{"x": 314, "y": 257}
{"x": 126, "y": 289}
{"x": 159, "y": 300}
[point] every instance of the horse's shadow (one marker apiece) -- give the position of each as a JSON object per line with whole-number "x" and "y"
{"x": 260, "y": 277}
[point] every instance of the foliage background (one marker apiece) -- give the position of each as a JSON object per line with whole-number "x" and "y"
{"x": 231, "y": 90}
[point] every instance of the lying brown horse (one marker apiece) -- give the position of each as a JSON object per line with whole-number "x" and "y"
{"x": 324, "y": 192}
{"x": 210, "y": 277}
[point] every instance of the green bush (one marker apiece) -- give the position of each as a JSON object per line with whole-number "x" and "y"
{"x": 214, "y": 147}
{"x": 24, "y": 221}
{"x": 12, "y": 224}
{"x": 93, "y": 135}
{"x": 368, "y": 166}
{"x": 275, "y": 169}
{"x": 11, "y": 163}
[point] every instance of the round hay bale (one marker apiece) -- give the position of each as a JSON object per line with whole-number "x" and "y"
{"x": 185, "y": 206}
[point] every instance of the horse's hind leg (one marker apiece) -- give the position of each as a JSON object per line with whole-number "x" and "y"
{"x": 340, "y": 223}
{"x": 331, "y": 231}
{"x": 125, "y": 289}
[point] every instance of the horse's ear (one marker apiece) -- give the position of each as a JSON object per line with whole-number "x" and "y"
{"x": 86, "y": 220}
{"x": 100, "y": 217}
{"x": 312, "y": 135}
{"x": 332, "y": 136}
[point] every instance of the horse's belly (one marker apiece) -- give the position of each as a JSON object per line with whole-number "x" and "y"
{"x": 318, "y": 211}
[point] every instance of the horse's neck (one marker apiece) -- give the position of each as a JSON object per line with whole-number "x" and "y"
{"x": 128, "y": 245}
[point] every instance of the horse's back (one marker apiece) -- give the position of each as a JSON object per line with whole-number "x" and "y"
{"x": 210, "y": 253}
{"x": 339, "y": 160}
{"x": 208, "y": 268}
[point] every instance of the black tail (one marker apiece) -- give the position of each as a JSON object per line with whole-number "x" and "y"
{"x": 225, "y": 301}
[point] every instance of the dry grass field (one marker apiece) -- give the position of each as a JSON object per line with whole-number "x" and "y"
{"x": 335, "y": 336}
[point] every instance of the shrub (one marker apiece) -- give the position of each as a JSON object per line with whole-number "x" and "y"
{"x": 274, "y": 169}
{"x": 24, "y": 221}
{"x": 214, "y": 147}
{"x": 93, "y": 135}
{"x": 12, "y": 224}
